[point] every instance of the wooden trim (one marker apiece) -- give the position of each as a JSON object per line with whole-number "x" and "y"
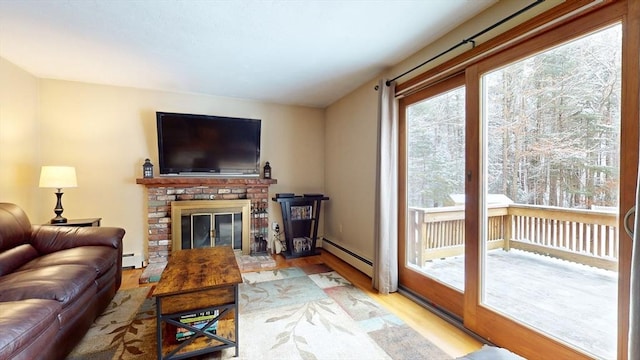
{"x": 520, "y": 33}
{"x": 561, "y": 34}
{"x": 197, "y": 181}
{"x": 473, "y": 191}
{"x": 450, "y": 83}
{"x": 629, "y": 139}
{"x": 531, "y": 344}
{"x": 434, "y": 291}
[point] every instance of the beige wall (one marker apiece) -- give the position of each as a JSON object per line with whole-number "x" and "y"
{"x": 106, "y": 132}
{"x": 19, "y": 147}
{"x": 351, "y": 132}
{"x": 350, "y": 145}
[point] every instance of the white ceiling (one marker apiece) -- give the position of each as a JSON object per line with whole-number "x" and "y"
{"x": 291, "y": 52}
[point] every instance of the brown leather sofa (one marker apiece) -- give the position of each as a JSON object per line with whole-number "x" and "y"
{"x": 54, "y": 282}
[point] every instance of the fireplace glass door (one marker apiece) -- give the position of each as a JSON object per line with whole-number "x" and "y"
{"x": 201, "y": 230}
{"x": 228, "y": 229}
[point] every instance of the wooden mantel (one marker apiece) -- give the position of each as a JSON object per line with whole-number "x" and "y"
{"x": 203, "y": 181}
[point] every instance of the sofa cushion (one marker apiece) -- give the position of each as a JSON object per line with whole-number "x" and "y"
{"x": 21, "y": 322}
{"x": 16, "y": 227}
{"x": 16, "y": 257}
{"x": 107, "y": 279}
{"x": 48, "y": 239}
{"x": 83, "y": 306}
{"x": 64, "y": 283}
{"x": 100, "y": 258}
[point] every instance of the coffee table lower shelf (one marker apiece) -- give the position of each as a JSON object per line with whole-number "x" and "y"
{"x": 201, "y": 341}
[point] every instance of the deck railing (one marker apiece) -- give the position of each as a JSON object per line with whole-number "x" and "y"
{"x": 589, "y": 237}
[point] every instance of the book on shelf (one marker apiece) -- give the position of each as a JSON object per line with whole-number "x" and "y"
{"x": 302, "y": 244}
{"x": 199, "y": 321}
{"x": 301, "y": 212}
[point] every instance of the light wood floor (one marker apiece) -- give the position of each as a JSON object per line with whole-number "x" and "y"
{"x": 449, "y": 338}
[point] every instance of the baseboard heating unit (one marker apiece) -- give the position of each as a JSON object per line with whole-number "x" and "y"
{"x": 350, "y": 257}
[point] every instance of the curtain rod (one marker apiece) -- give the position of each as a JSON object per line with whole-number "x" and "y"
{"x": 465, "y": 41}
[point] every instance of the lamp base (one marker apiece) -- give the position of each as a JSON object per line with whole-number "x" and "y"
{"x": 59, "y": 220}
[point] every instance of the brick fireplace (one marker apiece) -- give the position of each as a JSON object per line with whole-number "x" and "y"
{"x": 164, "y": 190}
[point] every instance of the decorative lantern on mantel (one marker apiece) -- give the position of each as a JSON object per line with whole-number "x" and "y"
{"x": 267, "y": 170}
{"x": 147, "y": 169}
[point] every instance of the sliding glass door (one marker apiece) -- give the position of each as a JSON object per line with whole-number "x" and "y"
{"x": 551, "y": 125}
{"x": 513, "y": 176}
{"x": 434, "y": 243}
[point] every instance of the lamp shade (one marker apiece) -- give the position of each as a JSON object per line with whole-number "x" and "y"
{"x": 58, "y": 177}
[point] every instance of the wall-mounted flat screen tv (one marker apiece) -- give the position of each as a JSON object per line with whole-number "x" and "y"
{"x": 191, "y": 144}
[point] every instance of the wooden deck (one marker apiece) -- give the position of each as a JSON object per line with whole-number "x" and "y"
{"x": 574, "y": 302}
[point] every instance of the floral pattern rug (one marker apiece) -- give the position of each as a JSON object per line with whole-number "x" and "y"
{"x": 307, "y": 313}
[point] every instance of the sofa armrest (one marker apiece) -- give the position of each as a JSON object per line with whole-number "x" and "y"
{"x": 48, "y": 239}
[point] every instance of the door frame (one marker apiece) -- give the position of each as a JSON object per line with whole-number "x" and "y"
{"x": 448, "y": 298}
{"x": 565, "y": 25}
{"x": 479, "y": 318}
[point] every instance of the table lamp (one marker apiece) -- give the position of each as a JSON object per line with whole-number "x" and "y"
{"x": 58, "y": 177}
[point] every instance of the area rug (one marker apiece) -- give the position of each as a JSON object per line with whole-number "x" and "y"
{"x": 295, "y": 313}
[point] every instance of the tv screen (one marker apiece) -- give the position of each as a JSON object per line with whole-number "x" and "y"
{"x": 208, "y": 145}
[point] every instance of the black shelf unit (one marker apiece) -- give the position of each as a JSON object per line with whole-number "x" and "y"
{"x": 300, "y": 216}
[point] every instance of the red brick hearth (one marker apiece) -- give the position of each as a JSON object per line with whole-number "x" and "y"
{"x": 162, "y": 191}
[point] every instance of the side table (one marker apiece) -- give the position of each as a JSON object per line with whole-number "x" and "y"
{"x": 79, "y": 222}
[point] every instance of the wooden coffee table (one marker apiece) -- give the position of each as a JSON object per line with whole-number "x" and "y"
{"x": 200, "y": 283}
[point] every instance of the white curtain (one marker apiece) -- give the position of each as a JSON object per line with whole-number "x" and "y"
{"x": 385, "y": 264}
{"x": 634, "y": 314}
